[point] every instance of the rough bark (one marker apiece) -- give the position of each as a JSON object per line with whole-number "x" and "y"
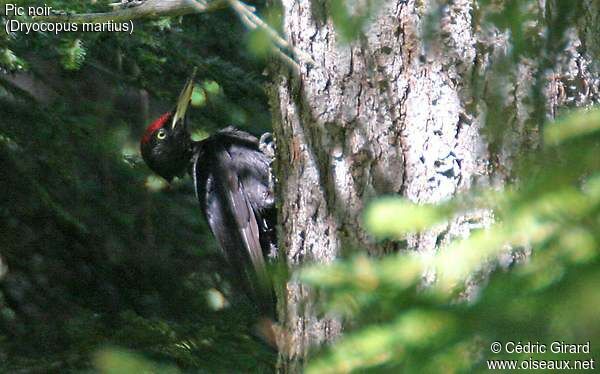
{"x": 400, "y": 110}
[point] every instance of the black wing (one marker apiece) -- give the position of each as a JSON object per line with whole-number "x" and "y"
{"x": 231, "y": 177}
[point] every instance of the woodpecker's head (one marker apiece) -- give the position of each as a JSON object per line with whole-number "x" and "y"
{"x": 166, "y": 144}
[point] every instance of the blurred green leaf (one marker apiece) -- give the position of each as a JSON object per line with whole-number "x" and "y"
{"x": 350, "y": 17}
{"x": 382, "y": 217}
{"x": 211, "y": 87}
{"x": 579, "y": 123}
{"x": 198, "y": 97}
{"x": 259, "y": 43}
{"x": 116, "y": 361}
{"x": 413, "y": 330}
{"x": 552, "y": 210}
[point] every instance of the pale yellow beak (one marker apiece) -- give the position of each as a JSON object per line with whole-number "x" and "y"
{"x": 184, "y": 100}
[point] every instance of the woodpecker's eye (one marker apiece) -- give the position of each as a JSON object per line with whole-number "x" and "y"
{"x": 161, "y": 134}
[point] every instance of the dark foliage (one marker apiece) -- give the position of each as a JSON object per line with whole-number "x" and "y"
{"x": 97, "y": 253}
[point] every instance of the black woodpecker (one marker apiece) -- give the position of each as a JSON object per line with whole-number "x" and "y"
{"x": 234, "y": 188}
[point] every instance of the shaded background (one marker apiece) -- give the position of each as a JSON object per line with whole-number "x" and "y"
{"x": 95, "y": 251}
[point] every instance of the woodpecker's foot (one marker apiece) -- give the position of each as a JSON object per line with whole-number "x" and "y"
{"x": 266, "y": 145}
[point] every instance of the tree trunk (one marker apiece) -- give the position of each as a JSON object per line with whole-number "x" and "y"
{"x": 400, "y": 110}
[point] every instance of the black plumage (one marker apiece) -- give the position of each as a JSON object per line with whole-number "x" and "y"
{"x": 233, "y": 185}
{"x": 231, "y": 177}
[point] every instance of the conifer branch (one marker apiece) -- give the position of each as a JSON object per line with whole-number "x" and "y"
{"x": 125, "y": 11}
{"x": 147, "y": 9}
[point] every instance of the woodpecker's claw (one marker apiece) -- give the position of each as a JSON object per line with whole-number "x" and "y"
{"x": 184, "y": 100}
